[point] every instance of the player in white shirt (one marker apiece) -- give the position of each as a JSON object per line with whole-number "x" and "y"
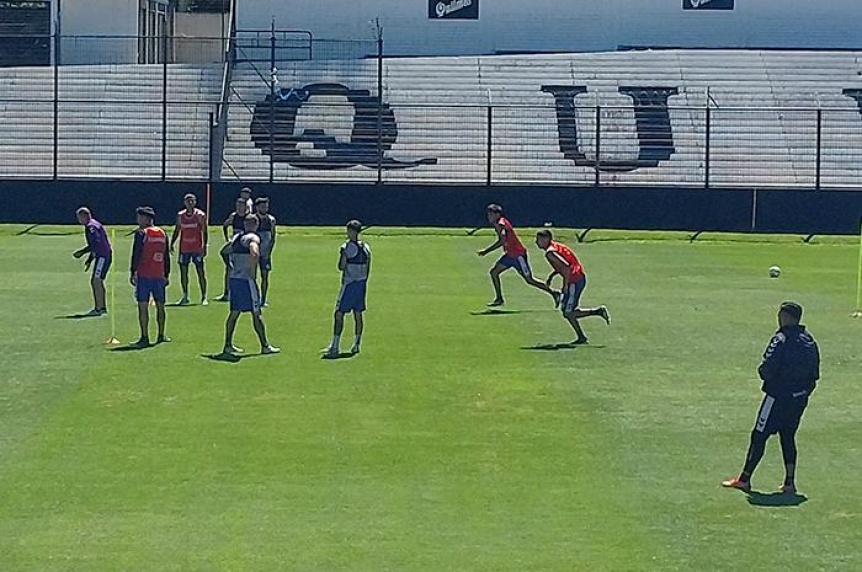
{"x": 354, "y": 262}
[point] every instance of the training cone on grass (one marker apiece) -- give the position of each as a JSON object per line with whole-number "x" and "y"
{"x": 112, "y": 341}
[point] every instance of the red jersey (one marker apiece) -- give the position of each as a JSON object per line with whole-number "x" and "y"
{"x": 153, "y": 253}
{"x": 192, "y": 231}
{"x": 576, "y": 271}
{"x": 512, "y": 245}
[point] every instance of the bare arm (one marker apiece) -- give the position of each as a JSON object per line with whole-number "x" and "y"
{"x": 557, "y": 262}
{"x": 226, "y": 225}
{"x": 501, "y": 239}
{"x": 176, "y": 233}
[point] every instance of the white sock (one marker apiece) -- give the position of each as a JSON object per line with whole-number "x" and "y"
{"x": 357, "y": 340}
{"x": 336, "y": 341}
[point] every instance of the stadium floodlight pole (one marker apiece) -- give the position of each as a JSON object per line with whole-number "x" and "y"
{"x": 857, "y": 313}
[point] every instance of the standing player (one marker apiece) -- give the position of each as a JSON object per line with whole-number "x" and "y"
{"x": 514, "y": 256}
{"x": 150, "y": 272}
{"x": 354, "y": 262}
{"x": 191, "y": 230}
{"x": 790, "y": 370}
{"x": 235, "y": 224}
{"x": 100, "y": 251}
{"x": 565, "y": 263}
{"x": 267, "y": 233}
{"x": 243, "y": 252}
{"x": 245, "y": 194}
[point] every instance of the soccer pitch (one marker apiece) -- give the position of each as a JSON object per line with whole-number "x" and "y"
{"x": 453, "y": 442}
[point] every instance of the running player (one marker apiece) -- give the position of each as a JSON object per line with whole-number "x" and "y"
{"x": 243, "y": 252}
{"x": 565, "y": 263}
{"x": 266, "y": 232}
{"x": 514, "y": 256}
{"x": 191, "y": 230}
{"x": 150, "y": 273}
{"x": 354, "y": 262}
{"x": 100, "y": 251}
{"x": 235, "y": 224}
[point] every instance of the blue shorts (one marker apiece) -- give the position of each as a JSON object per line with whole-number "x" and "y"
{"x": 101, "y": 265}
{"x": 187, "y": 258}
{"x": 147, "y": 287}
{"x": 244, "y": 295}
{"x": 519, "y": 263}
{"x": 572, "y": 296}
{"x": 351, "y": 298}
{"x": 265, "y": 263}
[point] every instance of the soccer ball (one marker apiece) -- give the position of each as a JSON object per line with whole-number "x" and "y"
{"x": 774, "y": 272}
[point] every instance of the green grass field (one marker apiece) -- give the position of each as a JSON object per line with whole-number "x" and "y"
{"x": 451, "y": 443}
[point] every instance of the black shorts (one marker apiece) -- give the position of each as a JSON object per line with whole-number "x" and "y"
{"x": 101, "y": 265}
{"x": 780, "y": 415}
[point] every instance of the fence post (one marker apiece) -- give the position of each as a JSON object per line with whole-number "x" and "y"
{"x": 272, "y": 101}
{"x": 56, "y": 143}
{"x": 598, "y": 144}
{"x": 380, "y": 106}
{"x": 164, "y": 104}
{"x": 489, "y": 150}
{"x": 819, "y": 149}
{"x": 212, "y": 133}
{"x": 707, "y": 143}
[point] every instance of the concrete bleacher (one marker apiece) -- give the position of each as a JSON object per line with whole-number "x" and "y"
{"x": 109, "y": 121}
{"x": 763, "y": 113}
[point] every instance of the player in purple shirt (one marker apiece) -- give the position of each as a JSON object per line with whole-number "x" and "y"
{"x": 99, "y": 250}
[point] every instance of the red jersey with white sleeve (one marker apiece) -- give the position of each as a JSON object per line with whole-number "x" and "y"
{"x": 512, "y": 245}
{"x": 576, "y": 271}
{"x": 150, "y": 253}
{"x": 192, "y": 231}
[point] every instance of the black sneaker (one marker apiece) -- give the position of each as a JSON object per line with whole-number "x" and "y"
{"x": 496, "y": 302}
{"x": 603, "y": 313}
{"x": 580, "y": 342}
{"x": 141, "y": 343}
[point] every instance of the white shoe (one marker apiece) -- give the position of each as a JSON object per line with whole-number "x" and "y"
{"x": 270, "y": 349}
{"x": 205, "y": 302}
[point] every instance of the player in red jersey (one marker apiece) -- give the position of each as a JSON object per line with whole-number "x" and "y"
{"x": 565, "y": 263}
{"x": 150, "y": 272}
{"x": 514, "y": 256}
{"x": 191, "y": 230}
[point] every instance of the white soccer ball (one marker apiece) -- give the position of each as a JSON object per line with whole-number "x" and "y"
{"x": 351, "y": 249}
{"x": 774, "y": 271}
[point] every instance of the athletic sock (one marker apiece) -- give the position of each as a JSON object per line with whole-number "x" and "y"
{"x": 336, "y": 341}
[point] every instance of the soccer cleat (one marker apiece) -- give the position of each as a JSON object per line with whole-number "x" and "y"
{"x": 184, "y": 301}
{"x": 163, "y": 340}
{"x": 264, "y": 304}
{"x": 141, "y": 343}
{"x": 231, "y": 349}
{"x": 354, "y": 350}
{"x": 788, "y": 489}
{"x": 580, "y": 342}
{"x": 103, "y": 311}
{"x": 331, "y": 352}
{"x": 205, "y": 302}
{"x": 496, "y": 302}
{"x": 270, "y": 349}
{"x": 93, "y": 313}
{"x": 737, "y": 483}
{"x": 558, "y": 296}
{"x": 603, "y": 313}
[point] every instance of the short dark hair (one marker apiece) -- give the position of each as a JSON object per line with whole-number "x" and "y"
{"x": 251, "y": 217}
{"x": 188, "y": 196}
{"x": 146, "y": 211}
{"x": 545, "y": 233}
{"x": 245, "y": 190}
{"x": 354, "y": 225}
{"x": 261, "y": 200}
{"x": 792, "y": 309}
{"x": 494, "y": 208}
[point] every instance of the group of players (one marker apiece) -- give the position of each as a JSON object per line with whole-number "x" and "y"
{"x": 250, "y": 237}
{"x": 791, "y": 362}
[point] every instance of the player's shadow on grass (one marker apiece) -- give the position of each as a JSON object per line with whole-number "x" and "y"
{"x": 496, "y": 312}
{"x": 558, "y": 347}
{"x": 76, "y": 317}
{"x": 131, "y": 348}
{"x": 776, "y": 499}
{"x": 341, "y": 355}
{"x": 229, "y": 358}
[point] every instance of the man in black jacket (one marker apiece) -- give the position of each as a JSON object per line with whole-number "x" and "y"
{"x": 790, "y": 370}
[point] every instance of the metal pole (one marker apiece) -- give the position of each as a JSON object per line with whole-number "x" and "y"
{"x": 819, "y": 149}
{"x": 272, "y": 102}
{"x": 212, "y": 130}
{"x": 489, "y": 149}
{"x": 707, "y": 144}
{"x": 598, "y": 144}
{"x": 379, "y": 107}
{"x": 56, "y": 143}
{"x": 164, "y": 104}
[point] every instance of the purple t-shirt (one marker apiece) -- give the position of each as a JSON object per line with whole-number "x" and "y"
{"x": 97, "y": 239}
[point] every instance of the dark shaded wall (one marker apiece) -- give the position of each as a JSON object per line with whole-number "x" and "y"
{"x": 790, "y": 211}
